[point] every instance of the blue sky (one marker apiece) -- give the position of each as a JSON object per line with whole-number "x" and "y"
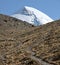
{"x": 49, "y": 7}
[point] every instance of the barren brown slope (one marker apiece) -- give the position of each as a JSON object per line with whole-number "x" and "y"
{"x": 24, "y": 44}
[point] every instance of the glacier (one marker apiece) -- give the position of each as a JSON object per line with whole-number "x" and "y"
{"x": 32, "y": 16}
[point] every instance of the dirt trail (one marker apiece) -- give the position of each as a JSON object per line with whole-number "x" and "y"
{"x": 39, "y": 60}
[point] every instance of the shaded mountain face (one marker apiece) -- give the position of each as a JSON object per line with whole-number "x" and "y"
{"x": 25, "y": 44}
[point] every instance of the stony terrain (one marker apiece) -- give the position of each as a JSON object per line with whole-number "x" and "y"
{"x": 25, "y": 44}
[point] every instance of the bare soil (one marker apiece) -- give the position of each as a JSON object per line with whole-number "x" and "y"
{"x": 25, "y": 44}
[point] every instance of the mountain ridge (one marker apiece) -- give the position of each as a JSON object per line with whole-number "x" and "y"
{"x": 25, "y": 44}
{"x": 32, "y": 16}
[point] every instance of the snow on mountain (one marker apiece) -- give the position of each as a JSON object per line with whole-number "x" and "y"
{"x": 32, "y": 16}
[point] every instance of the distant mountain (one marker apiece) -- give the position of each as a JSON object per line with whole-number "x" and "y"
{"x": 32, "y": 16}
{"x": 24, "y": 44}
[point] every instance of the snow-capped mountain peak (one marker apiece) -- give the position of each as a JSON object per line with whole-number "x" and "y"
{"x": 32, "y": 16}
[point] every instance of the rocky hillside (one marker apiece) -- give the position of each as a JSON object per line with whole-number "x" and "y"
{"x": 25, "y": 44}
